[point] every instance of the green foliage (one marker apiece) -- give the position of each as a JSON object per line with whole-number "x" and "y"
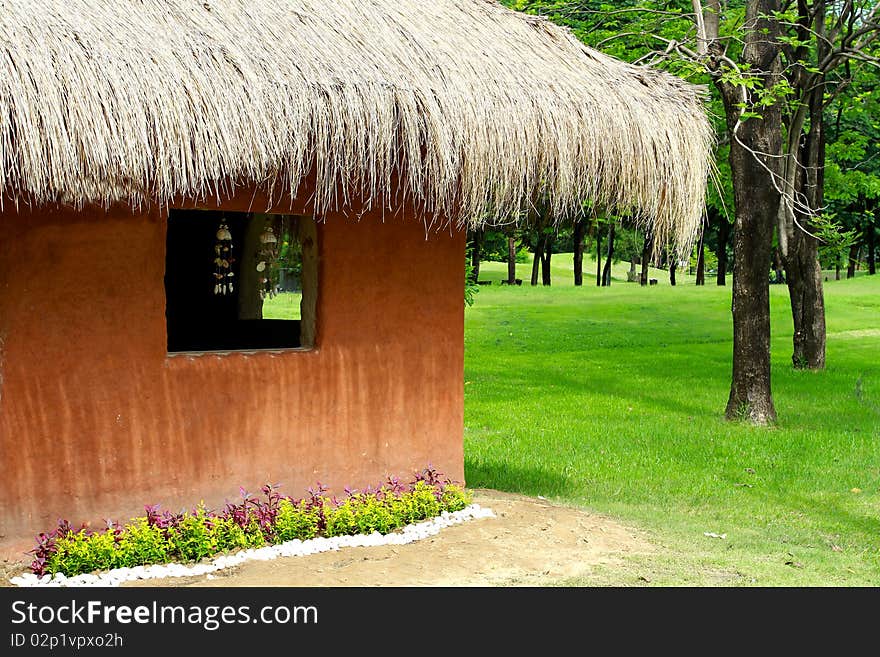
{"x": 82, "y": 552}
{"x": 296, "y": 521}
{"x": 834, "y": 240}
{"x": 142, "y": 543}
{"x": 614, "y": 27}
{"x": 341, "y": 520}
{"x": 852, "y": 172}
{"x": 363, "y": 513}
{"x": 419, "y": 505}
{"x": 470, "y": 285}
{"x": 228, "y": 535}
{"x": 720, "y": 195}
{"x": 289, "y": 255}
{"x": 495, "y": 247}
{"x": 455, "y": 498}
{"x": 642, "y": 31}
{"x": 710, "y": 259}
{"x": 194, "y": 537}
{"x": 374, "y": 515}
{"x": 628, "y": 243}
{"x": 136, "y": 545}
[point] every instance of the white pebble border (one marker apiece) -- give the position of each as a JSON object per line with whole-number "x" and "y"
{"x": 294, "y": 548}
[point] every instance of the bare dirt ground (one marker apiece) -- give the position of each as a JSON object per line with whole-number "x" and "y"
{"x": 530, "y": 542}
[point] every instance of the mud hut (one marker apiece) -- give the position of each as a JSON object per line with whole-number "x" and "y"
{"x": 160, "y": 158}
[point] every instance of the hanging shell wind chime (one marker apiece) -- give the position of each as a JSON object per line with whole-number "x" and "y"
{"x": 223, "y": 260}
{"x": 266, "y": 258}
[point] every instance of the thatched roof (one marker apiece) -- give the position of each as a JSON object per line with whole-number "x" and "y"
{"x": 473, "y": 106}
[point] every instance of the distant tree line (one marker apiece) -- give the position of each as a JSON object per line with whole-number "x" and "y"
{"x": 609, "y": 239}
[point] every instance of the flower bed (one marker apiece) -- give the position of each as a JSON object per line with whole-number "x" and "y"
{"x": 161, "y": 537}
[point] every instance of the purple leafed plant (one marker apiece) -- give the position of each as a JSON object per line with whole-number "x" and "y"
{"x": 255, "y": 511}
{"x": 431, "y": 476}
{"x": 46, "y": 546}
{"x": 164, "y": 520}
{"x": 393, "y": 484}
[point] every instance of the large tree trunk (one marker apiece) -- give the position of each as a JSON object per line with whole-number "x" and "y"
{"x": 756, "y": 204}
{"x": 579, "y": 231}
{"x": 807, "y": 303}
{"x": 701, "y": 258}
{"x": 511, "y": 258}
{"x": 723, "y": 235}
{"x": 598, "y": 254}
{"x": 647, "y": 247}
{"x": 753, "y": 151}
{"x": 606, "y": 272}
{"x": 802, "y": 267}
{"x": 673, "y": 266}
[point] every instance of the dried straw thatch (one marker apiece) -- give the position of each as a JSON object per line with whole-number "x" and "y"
{"x": 476, "y": 108}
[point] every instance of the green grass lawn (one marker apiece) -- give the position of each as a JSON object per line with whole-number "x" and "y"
{"x": 613, "y": 399}
{"x": 284, "y": 305}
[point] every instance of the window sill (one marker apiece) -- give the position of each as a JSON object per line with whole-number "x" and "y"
{"x": 234, "y": 352}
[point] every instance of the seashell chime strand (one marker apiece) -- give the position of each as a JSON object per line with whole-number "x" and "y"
{"x": 223, "y": 250}
{"x": 266, "y": 258}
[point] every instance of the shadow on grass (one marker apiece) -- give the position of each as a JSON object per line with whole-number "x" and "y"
{"x": 517, "y": 479}
{"x": 656, "y": 397}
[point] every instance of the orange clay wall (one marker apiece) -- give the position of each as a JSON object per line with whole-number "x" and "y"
{"x": 96, "y": 419}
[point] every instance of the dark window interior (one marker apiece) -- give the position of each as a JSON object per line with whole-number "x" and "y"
{"x": 198, "y": 318}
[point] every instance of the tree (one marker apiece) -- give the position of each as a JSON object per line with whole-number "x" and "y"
{"x": 871, "y": 240}
{"x": 721, "y": 253}
{"x": 835, "y": 243}
{"x": 622, "y": 242}
{"x": 476, "y": 237}
{"x": 546, "y": 254}
{"x": 852, "y": 180}
{"x": 647, "y": 248}
{"x": 701, "y": 258}
{"x": 606, "y": 270}
{"x": 745, "y": 69}
{"x": 753, "y": 115}
{"x": 539, "y": 236}
{"x": 719, "y": 200}
{"x": 579, "y": 231}
{"x": 816, "y": 39}
{"x": 770, "y": 62}
{"x": 821, "y": 37}
{"x": 628, "y": 241}
{"x": 510, "y": 233}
